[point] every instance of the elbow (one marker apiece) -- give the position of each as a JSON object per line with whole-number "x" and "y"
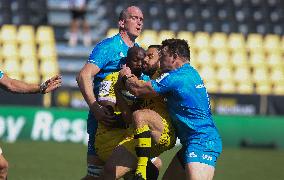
{"x": 10, "y": 87}
{"x": 79, "y": 77}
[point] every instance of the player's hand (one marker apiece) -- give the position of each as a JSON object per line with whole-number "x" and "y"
{"x": 103, "y": 115}
{"x": 51, "y": 84}
{"x": 124, "y": 71}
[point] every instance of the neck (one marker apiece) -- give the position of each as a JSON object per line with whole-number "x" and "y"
{"x": 180, "y": 62}
{"x": 129, "y": 40}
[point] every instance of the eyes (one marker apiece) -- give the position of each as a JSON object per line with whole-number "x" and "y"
{"x": 136, "y": 18}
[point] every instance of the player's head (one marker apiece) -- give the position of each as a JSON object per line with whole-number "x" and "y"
{"x": 151, "y": 62}
{"x": 174, "y": 52}
{"x": 135, "y": 56}
{"x": 131, "y": 21}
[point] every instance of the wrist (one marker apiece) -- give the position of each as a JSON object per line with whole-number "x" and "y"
{"x": 42, "y": 87}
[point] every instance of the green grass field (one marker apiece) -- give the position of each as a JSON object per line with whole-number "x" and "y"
{"x": 66, "y": 161}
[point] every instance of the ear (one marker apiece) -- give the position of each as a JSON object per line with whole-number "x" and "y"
{"x": 121, "y": 23}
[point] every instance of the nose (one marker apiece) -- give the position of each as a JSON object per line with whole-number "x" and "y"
{"x": 139, "y": 22}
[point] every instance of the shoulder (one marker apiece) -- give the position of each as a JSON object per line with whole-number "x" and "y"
{"x": 108, "y": 42}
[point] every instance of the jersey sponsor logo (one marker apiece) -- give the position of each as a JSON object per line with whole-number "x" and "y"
{"x": 200, "y": 86}
{"x": 104, "y": 88}
{"x": 207, "y": 157}
{"x": 121, "y": 54}
{"x": 192, "y": 154}
{"x": 162, "y": 77}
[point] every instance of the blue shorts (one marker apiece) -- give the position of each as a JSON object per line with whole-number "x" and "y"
{"x": 202, "y": 146}
{"x": 203, "y": 150}
{"x": 92, "y": 125}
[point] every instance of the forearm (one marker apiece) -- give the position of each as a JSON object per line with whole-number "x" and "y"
{"x": 16, "y": 86}
{"x": 86, "y": 88}
{"x": 139, "y": 88}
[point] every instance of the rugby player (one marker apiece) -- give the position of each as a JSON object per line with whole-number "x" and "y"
{"x": 189, "y": 107}
{"x": 107, "y": 138}
{"x": 16, "y": 86}
{"x": 151, "y": 122}
{"x": 106, "y": 57}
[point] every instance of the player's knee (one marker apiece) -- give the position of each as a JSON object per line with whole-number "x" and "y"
{"x": 3, "y": 164}
{"x": 3, "y": 169}
{"x": 138, "y": 117}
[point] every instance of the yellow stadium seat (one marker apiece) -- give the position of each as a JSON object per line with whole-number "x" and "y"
{"x": 257, "y": 59}
{"x": 148, "y": 37}
{"x": 239, "y": 58}
{"x": 212, "y": 86}
{"x": 208, "y": 73}
{"x": 26, "y": 34}
{"x": 254, "y": 42}
{"x": 277, "y": 74}
{"x": 46, "y": 52}
{"x": 27, "y": 51}
{"x": 245, "y": 87}
{"x": 222, "y": 58}
{"x": 272, "y": 43}
{"x": 29, "y": 67}
{"x": 263, "y": 88}
{"x": 44, "y": 35}
{"x": 48, "y": 68}
{"x": 193, "y": 60}
{"x": 9, "y": 50}
{"x": 219, "y": 41}
{"x": 227, "y": 87}
{"x": 204, "y": 57}
{"x": 224, "y": 74}
{"x": 201, "y": 40}
{"x": 11, "y": 66}
{"x": 111, "y": 32}
{"x": 278, "y": 88}
{"x": 188, "y": 36}
{"x": 275, "y": 59}
{"x": 164, "y": 34}
{"x": 14, "y": 75}
{"x": 260, "y": 74}
{"x": 236, "y": 42}
{"x": 9, "y": 33}
{"x": 34, "y": 79}
{"x": 242, "y": 74}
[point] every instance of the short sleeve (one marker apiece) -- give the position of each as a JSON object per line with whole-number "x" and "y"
{"x": 100, "y": 55}
{"x": 163, "y": 84}
{"x": 1, "y": 74}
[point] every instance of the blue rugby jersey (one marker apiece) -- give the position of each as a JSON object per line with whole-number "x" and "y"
{"x": 187, "y": 101}
{"x": 109, "y": 55}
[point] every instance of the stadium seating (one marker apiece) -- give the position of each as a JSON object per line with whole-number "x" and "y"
{"x": 27, "y": 53}
{"x": 238, "y": 63}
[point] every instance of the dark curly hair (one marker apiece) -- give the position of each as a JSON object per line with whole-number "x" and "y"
{"x": 177, "y": 47}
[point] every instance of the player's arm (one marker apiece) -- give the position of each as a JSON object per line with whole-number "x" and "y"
{"x": 139, "y": 88}
{"x": 122, "y": 104}
{"x": 134, "y": 85}
{"x": 16, "y": 86}
{"x": 84, "y": 81}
